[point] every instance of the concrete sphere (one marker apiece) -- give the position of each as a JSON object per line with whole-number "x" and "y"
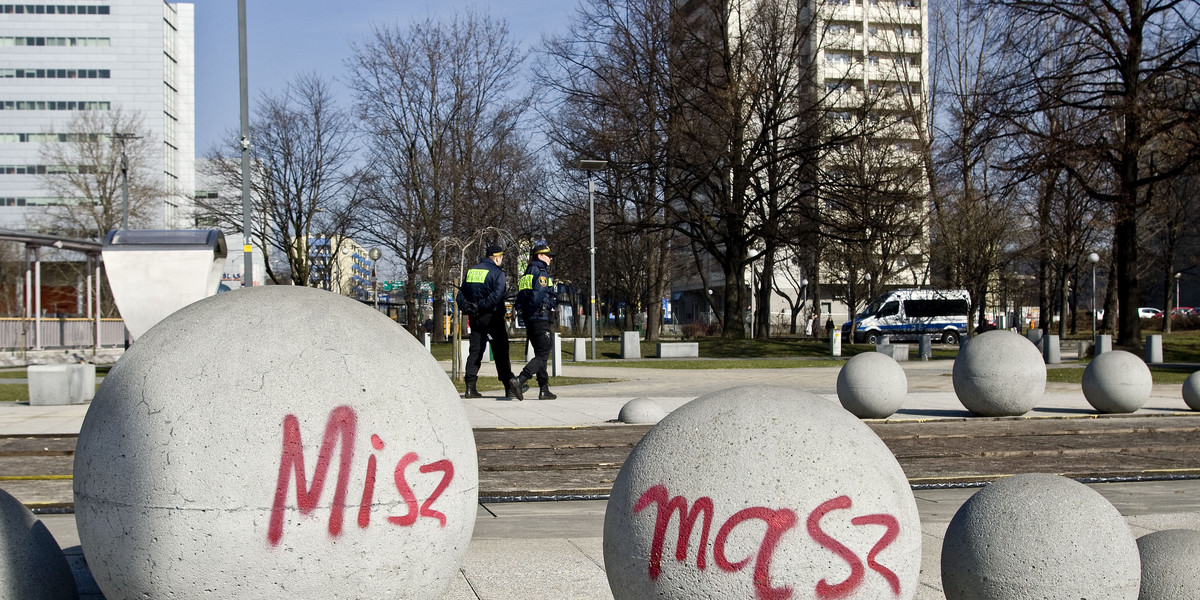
{"x": 751, "y": 492}
{"x": 1191, "y": 391}
{"x": 641, "y": 410}
{"x": 1038, "y": 536}
{"x": 270, "y": 442}
{"x": 999, "y": 374}
{"x": 872, "y": 385}
{"x": 1169, "y": 560}
{"x": 32, "y": 565}
{"x": 1117, "y": 382}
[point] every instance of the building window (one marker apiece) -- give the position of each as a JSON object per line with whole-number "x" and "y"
{"x": 53, "y": 105}
{"x": 55, "y": 41}
{"x": 53, "y": 9}
{"x": 55, "y": 73}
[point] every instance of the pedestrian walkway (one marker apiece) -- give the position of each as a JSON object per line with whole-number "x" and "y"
{"x": 553, "y": 550}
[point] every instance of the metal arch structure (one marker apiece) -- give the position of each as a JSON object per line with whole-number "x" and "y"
{"x": 34, "y": 243}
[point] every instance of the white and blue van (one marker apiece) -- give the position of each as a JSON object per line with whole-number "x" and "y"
{"x": 909, "y": 314}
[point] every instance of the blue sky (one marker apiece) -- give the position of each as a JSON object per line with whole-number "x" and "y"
{"x": 288, "y": 37}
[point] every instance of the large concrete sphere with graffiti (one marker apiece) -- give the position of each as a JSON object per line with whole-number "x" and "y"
{"x": 32, "y": 566}
{"x": 1037, "y": 536}
{"x": 1169, "y": 560}
{"x": 1117, "y": 382}
{"x": 761, "y": 492}
{"x": 1191, "y": 391}
{"x": 999, "y": 374}
{"x": 872, "y": 385}
{"x": 275, "y": 442}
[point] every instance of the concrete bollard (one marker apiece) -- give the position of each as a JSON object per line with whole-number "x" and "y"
{"x": 278, "y": 473}
{"x": 1038, "y": 536}
{"x": 1082, "y": 352}
{"x": 581, "y": 350}
{"x": 925, "y": 347}
{"x": 1169, "y": 560}
{"x": 641, "y": 410}
{"x": 1117, "y": 382}
{"x": 872, "y": 385}
{"x": 1154, "y": 352}
{"x": 884, "y": 340}
{"x": 464, "y": 349}
{"x": 61, "y": 384}
{"x": 1035, "y": 336}
{"x": 835, "y": 344}
{"x": 487, "y": 353}
{"x": 1191, "y": 391}
{"x": 529, "y": 353}
{"x": 428, "y": 341}
{"x": 999, "y": 374}
{"x": 1051, "y": 351}
{"x": 762, "y": 505}
{"x": 631, "y": 344}
{"x": 1103, "y": 344}
{"x": 32, "y": 566}
{"x": 556, "y": 365}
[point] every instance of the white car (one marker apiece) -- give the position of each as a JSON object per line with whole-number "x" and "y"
{"x": 1146, "y": 312}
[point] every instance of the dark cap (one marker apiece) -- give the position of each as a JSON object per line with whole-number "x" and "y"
{"x": 543, "y": 249}
{"x": 494, "y": 250}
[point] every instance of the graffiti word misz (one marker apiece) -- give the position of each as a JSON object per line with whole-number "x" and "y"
{"x": 341, "y": 431}
{"x": 778, "y": 522}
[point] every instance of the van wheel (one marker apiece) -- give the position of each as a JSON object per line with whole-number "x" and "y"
{"x": 872, "y": 338}
{"x": 950, "y": 337}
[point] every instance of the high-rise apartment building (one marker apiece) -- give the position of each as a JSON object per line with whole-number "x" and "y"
{"x": 56, "y": 60}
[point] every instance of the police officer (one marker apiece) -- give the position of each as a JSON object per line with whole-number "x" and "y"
{"x": 537, "y": 301}
{"x": 481, "y": 298}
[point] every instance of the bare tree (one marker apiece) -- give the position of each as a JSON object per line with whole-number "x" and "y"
{"x": 438, "y": 102}
{"x": 1131, "y": 71}
{"x": 84, "y": 169}
{"x": 302, "y": 148}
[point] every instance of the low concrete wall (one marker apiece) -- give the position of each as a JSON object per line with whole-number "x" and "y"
{"x": 679, "y": 350}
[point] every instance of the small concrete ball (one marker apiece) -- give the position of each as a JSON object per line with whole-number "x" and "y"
{"x": 999, "y": 374}
{"x": 1117, "y": 382}
{"x": 1038, "y": 536}
{"x": 872, "y": 385}
{"x": 32, "y": 565}
{"x": 752, "y": 492}
{"x": 275, "y": 441}
{"x": 1169, "y": 560}
{"x": 641, "y": 410}
{"x": 1191, "y": 391}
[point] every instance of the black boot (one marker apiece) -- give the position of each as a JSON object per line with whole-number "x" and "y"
{"x": 517, "y": 388}
{"x": 471, "y": 391}
{"x": 546, "y": 394}
{"x": 508, "y": 389}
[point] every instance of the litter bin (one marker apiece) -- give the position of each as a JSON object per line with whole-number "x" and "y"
{"x": 153, "y": 273}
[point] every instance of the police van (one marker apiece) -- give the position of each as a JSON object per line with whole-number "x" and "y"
{"x": 909, "y": 314}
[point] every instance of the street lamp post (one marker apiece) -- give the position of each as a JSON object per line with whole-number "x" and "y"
{"x": 124, "y": 137}
{"x": 1178, "y": 300}
{"x": 375, "y": 254}
{"x": 1093, "y": 258}
{"x": 589, "y": 166}
{"x": 804, "y": 302}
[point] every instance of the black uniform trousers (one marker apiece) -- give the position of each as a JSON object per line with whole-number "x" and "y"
{"x": 542, "y": 340}
{"x": 483, "y": 327}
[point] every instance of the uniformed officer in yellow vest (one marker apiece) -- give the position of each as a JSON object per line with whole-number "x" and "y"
{"x": 537, "y": 300}
{"x": 481, "y": 298}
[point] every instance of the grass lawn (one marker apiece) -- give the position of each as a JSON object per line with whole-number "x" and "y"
{"x": 716, "y": 353}
{"x": 1161, "y": 375}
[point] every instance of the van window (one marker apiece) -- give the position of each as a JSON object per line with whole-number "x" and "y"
{"x": 924, "y": 309}
{"x": 889, "y": 309}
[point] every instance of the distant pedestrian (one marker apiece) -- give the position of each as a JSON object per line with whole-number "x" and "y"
{"x": 481, "y": 298}
{"x": 829, "y": 327}
{"x": 537, "y": 301}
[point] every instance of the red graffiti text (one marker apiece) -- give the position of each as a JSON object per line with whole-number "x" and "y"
{"x": 340, "y": 436}
{"x": 778, "y": 522}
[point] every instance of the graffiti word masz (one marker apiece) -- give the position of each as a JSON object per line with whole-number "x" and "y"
{"x": 778, "y": 521}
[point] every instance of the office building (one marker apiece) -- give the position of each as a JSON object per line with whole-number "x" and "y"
{"x": 95, "y": 56}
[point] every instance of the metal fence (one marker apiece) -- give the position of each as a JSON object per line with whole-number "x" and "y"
{"x": 16, "y": 333}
